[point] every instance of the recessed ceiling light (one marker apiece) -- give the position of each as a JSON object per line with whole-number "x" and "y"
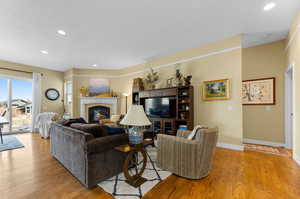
{"x": 61, "y": 32}
{"x": 94, "y": 65}
{"x": 269, "y": 6}
{"x": 44, "y": 51}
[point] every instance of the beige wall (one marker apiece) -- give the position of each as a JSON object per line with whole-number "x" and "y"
{"x": 293, "y": 53}
{"x": 265, "y": 123}
{"x": 227, "y": 115}
{"x": 50, "y": 79}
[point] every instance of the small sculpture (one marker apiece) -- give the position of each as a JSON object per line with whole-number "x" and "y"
{"x": 84, "y": 92}
{"x": 178, "y": 78}
{"x": 152, "y": 78}
{"x": 187, "y": 80}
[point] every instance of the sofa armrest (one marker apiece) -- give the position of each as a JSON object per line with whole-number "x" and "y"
{"x": 106, "y": 143}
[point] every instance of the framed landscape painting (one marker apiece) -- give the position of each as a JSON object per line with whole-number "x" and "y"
{"x": 216, "y": 90}
{"x": 259, "y": 91}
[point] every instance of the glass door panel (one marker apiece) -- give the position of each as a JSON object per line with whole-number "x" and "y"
{"x": 21, "y": 105}
{"x": 4, "y": 102}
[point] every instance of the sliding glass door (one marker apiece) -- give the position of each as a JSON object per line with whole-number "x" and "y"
{"x": 16, "y": 104}
{"x": 4, "y": 103}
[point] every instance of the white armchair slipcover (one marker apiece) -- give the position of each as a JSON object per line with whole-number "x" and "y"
{"x": 43, "y": 122}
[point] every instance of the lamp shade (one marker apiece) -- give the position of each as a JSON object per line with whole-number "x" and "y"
{"x": 136, "y": 117}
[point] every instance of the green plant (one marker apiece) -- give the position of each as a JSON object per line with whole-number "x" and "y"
{"x": 152, "y": 77}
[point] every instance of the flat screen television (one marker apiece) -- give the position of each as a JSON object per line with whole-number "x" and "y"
{"x": 161, "y": 107}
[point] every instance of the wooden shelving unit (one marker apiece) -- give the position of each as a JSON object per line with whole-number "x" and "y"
{"x": 184, "y": 108}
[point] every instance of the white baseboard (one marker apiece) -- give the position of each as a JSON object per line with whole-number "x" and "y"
{"x": 260, "y": 142}
{"x": 296, "y": 158}
{"x": 230, "y": 146}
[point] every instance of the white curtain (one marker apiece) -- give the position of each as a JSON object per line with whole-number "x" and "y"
{"x": 36, "y": 98}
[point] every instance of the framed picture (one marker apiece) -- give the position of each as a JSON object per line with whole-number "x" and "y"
{"x": 216, "y": 90}
{"x": 99, "y": 87}
{"x": 259, "y": 91}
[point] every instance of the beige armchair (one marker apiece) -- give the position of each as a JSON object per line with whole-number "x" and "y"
{"x": 187, "y": 158}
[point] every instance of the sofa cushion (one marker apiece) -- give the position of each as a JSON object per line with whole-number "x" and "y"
{"x": 68, "y": 122}
{"x": 95, "y": 129}
{"x": 114, "y": 130}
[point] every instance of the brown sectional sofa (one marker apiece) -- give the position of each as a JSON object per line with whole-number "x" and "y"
{"x": 91, "y": 160}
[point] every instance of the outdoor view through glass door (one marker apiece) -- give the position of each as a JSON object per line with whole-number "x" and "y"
{"x": 16, "y": 104}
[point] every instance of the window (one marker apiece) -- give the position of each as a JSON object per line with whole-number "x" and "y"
{"x": 69, "y": 92}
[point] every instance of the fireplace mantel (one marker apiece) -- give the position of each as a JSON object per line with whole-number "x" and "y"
{"x": 111, "y": 102}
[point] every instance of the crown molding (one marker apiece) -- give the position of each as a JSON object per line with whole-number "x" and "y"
{"x": 293, "y": 37}
{"x": 157, "y": 67}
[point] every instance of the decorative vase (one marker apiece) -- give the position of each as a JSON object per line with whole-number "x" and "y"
{"x": 135, "y": 137}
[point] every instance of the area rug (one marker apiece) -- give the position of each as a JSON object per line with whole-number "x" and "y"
{"x": 268, "y": 149}
{"x": 119, "y": 189}
{"x": 9, "y": 143}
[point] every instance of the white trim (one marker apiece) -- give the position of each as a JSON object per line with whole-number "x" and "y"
{"x": 230, "y": 146}
{"x": 293, "y": 37}
{"x": 12, "y": 77}
{"x": 260, "y": 142}
{"x": 296, "y": 158}
{"x": 157, "y": 67}
{"x": 288, "y": 107}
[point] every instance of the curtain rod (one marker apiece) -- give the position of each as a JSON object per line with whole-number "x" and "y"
{"x": 15, "y": 70}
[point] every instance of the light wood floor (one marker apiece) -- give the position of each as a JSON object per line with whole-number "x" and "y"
{"x": 33, "y": 173}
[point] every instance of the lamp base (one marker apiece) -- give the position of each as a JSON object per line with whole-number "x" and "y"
{"x": 135, "y": 136}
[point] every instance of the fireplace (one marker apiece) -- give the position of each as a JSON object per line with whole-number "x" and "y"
{"x": 93, "y": 111}
{"x": 107, "y": 103}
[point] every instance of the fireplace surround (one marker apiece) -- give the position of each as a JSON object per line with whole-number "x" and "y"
{"x": 94, "y": 104}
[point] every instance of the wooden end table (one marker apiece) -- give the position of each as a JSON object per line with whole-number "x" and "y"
{"x": 132, "y": 162}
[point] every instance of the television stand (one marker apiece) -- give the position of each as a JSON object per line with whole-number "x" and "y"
{"x": 184, "y": 108}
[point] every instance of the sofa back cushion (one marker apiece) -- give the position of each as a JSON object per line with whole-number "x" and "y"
{"x": 95, "y": 129}
{"x": 68, "y": 122}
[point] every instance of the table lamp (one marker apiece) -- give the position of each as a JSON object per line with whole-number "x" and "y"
{"x": 136, "y": 118}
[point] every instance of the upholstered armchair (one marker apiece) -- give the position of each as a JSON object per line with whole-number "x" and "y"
{"x": 191, "y": 159}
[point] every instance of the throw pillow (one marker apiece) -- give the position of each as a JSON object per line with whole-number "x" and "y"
{"x": 193, "y": 133}
{"x": 95, "y": 129}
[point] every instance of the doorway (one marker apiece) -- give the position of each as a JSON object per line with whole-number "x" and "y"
{"x": 16, "y": 104}
{"x": 289, "y": 115}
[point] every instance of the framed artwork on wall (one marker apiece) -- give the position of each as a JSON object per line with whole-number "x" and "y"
{"x": 259, "y": 91}
{"x": 99, "y": 88}
{"x": 216, "y": 90}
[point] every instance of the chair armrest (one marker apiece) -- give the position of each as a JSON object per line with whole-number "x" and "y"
{"x": 168, "y": 141}
{"x": 106, "y": 143}
{"x": 183, "y": 133}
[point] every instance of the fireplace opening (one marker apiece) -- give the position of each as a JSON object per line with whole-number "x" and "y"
{"x": 93, "y": 111}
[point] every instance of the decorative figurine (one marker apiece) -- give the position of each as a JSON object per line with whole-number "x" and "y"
{"x": 84, "y": 92}
{"x": 187, "y": 80}
{"x": 178, "y": 78}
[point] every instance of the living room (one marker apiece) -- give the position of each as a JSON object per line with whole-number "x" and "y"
{"x": 167, "y": 83}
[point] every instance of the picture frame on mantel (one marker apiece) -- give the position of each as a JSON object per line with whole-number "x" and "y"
{"x": 216, "y": 90}
{"x": 259, "y": 91}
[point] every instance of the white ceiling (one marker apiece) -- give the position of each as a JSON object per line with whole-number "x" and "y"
{"x": 114, "y": 34}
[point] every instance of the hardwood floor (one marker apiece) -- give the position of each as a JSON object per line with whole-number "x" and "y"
{"x": 32, "y": 172}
